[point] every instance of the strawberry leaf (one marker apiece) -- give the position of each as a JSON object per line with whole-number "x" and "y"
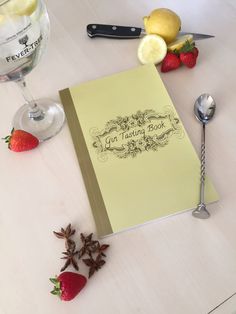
{"x": 176, "y": 52}
{"x": 56, "y": 291}
{"x": 187, "y": 47}
{"x": 53, "y": 280}
{"x": 7, "y": 138}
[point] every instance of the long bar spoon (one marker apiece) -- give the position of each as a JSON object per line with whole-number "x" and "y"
{"x": 204, "y": 109}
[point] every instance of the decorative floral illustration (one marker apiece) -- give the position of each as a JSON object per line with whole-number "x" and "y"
{"x": 141, "y": 144}
{"x": 131, "y": 135}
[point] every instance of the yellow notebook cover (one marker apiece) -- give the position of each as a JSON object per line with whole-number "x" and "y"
{"x": 136, "y": 158}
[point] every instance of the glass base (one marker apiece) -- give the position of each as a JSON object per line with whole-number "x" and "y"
{"x": 43, "y": 126}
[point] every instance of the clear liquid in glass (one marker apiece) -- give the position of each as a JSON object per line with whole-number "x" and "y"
{"x": 22, "y": 42}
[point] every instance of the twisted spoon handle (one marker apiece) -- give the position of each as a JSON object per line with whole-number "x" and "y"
{"x": 201, "y": 211}
{"x": 203, "y": 165}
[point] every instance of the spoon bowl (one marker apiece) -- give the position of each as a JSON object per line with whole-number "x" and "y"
{"x": 204, "y": 108}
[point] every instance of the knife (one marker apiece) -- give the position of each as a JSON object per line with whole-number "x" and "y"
{"x": 127, "y": 32}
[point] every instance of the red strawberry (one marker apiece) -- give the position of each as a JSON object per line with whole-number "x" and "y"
{"x": 188, "y": 54}
{"x": 188, "y": 59}
{"x": 195, "y": 52}
{"x": 68, "y": 285}
{"x": 170, "y": 62}
{"x": 20, "y": 141}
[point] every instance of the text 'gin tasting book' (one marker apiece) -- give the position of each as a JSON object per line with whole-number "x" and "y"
{"x": 137, "y": 161}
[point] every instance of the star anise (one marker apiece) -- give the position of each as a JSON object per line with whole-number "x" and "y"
{"x": 92, "y": 248}
{"x": 66, "y": 234}
{"x": 70, "y": 247}
{"x": 70, "y": 259}
{"x": 102, "y": 248}
{"x": 89, "y": 245}
{"x": 94, "y": 264}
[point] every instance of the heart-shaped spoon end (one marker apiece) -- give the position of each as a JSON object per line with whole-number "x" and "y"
{"x": 201, "y": 212}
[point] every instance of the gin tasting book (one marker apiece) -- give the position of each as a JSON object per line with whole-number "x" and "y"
{"x": 136, "y": 158}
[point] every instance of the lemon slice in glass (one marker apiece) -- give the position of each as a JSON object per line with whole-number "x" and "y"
{"x": 179, "y": 42}
{"x": 19, "y": 7}
{"x": 152, "y": 49}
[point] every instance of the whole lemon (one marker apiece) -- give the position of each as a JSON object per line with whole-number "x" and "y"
{"x": 164, "y": 23}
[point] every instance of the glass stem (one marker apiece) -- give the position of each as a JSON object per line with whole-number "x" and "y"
{"x": 35, "y": 112}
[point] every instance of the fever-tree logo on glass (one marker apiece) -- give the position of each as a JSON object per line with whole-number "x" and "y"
{"x": 24, "y": 40}
{"x": 132, "y": 135}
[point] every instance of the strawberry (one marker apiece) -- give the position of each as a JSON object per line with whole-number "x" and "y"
{"x": 195, "y": 52}
{"x": 188, "y": 59}
{"x": 68, "y": 285}
{"x": 20, "y": 141}
{"x": 170, "y": 62}
{"x": 188, "y": 54}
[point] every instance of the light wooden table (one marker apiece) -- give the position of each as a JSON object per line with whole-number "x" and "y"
{"x": 179, "y": 265}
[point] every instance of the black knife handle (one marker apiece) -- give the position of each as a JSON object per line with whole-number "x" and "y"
{"x": 113, "y": 31}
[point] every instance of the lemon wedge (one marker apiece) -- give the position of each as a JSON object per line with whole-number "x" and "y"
{"x": 179, "y": 42}
{"x": 152, "y": 49}
{"x": 19, "y": 7}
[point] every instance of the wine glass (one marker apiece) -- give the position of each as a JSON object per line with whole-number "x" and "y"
{"x": 24, "y": 32}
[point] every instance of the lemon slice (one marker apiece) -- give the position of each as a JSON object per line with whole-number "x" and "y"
{"x": 19, "y": 7}
{"x": 152, "y": 49}
{"x": 179, "y": 42}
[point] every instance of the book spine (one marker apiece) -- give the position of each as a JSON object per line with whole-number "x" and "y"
{"x": 94, "y": 194}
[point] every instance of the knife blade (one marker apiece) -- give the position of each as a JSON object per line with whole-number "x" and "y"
{"x": 128, "y": 32}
